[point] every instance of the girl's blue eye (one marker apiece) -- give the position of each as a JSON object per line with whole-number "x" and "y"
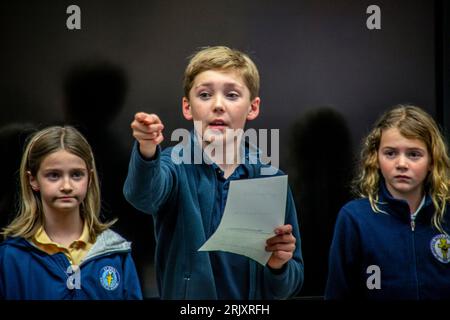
{"x": 389, "y": 153}
{"x": 414, "y": 155}
{"x": 52, "y": 176}
{"x": 78, "y": 175}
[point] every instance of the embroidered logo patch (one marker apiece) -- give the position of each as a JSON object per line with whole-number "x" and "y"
{"x": 109, "y": 278}
{"x": 440, "y": 247}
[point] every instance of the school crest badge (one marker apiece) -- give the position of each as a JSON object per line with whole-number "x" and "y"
{"x": 109, "y": 278}
{"x": 440, "y": 247}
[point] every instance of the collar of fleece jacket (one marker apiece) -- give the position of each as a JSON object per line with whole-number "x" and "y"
{"x": 400, "y": 208}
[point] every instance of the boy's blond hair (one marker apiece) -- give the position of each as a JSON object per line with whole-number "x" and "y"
{"x": 222, "y": 59}
{"x": 413, "y": 123}
{"x": 31, "y": 216}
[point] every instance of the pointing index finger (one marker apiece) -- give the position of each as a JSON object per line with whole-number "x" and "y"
{"x": 147, "y": 119}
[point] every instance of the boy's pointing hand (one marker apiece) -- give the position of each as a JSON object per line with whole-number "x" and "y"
{"x": 147, "y": 130}
{"x": 282, "y": 246}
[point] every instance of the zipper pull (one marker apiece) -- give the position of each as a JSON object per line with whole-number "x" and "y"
{"x": 413, "y": 224}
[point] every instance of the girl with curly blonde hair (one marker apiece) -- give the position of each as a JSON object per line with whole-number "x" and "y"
{"x": 392, "y": 242}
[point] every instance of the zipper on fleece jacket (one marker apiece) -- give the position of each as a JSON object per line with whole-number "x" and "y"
{"x": 413, "y": 222}
{"x": 416, "y": 280}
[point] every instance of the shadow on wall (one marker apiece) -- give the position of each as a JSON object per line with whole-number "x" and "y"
{"x": 12, "y": 142}
{"x": 321, "y": 166}
{"x": 94, "y": 94}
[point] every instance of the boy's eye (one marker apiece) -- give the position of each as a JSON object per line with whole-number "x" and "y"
{"x": 204, "y": 95}
{"x": 232, "y": 95}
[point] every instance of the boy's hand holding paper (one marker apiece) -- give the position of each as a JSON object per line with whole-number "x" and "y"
{"x": 254, "y": 209}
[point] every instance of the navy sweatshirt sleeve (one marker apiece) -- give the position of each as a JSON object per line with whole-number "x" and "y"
{"x": 289, "y": 282}
{"x": 148, "y": 184}
{"x": 343, "y": 269}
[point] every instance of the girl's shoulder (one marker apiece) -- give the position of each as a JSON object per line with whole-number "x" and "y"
{"x": 14, "y": 241}
{"x": 13, "y": 246}
{"x": 357, "y": 210}
{"x": 357, "y": 205}
{"x": 111, "y": 238}
{"x": 109, "y": 241}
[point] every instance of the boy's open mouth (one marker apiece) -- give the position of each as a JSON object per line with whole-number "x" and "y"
{"x": 218, "y": 124}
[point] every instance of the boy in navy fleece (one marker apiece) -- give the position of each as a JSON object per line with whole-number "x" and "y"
{"x": 187, "y": 200}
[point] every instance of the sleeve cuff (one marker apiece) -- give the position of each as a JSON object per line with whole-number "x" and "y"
{"x": 278, "y": 271}
{"x": 147, "y": 161}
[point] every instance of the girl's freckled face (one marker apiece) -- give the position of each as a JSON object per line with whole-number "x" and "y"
{"x": 62, "y": 180}
{"x": 404, "y": 163}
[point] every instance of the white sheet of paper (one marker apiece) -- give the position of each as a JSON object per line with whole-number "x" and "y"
{"x": 254, "y": 208}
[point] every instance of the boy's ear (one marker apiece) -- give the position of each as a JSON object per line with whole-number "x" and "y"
{"x": 187, "y": 113}
{"x": 33, "y": 181}
{"x": 254, "y": 109}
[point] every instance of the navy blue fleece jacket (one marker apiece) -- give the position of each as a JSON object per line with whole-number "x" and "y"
{"x": 180, "y": 197}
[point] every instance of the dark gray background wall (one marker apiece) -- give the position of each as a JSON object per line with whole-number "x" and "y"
{"x": 442, "y": 18}
{"x": 311, "y": 54}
